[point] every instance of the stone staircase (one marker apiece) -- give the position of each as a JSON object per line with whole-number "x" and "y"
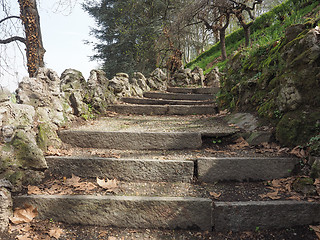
{"x": 164, "y": 143}
{"x": 175, "y": 101}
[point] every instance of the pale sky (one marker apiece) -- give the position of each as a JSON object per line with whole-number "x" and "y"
{"x": 63, "y": 38}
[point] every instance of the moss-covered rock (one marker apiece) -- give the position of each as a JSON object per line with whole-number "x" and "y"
{"x": 296, "y": 128}
{"x": 27, "y": 154}
{"x": 281, "y": 82}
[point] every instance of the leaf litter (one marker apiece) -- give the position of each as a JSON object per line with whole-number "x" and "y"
{"x": 283, "y": 188}
{"x": 74, "y": 185}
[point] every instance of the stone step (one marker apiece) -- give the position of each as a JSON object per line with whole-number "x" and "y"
{"x": 148, "y": 101}
{"x": 122, "y": 169}
{"x": 164, "y": 109}
{"x": 205, "y": 90}
{"x": 252, "y": 215}
{"x": 131, "y": 140}
{"x": 211, "y": 170}
{"x": 123, "y": 211}
{"x": 178, "y": 96}
{"x": 172, "y": 212}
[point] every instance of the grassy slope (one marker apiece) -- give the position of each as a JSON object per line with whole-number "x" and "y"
{"x": 266, "y": 29}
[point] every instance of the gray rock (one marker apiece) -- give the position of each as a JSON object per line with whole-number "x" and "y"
{"x": 315, "y": 169}
{"x": 5, "y": 95}
{"x": 124, "y": 211}
{"x": 259, "y": 137}
{"x": 27, "y": 153}
{"x": 245, "y": 121}
{"x": 293, "y": 31}
{"x": 212, "y": 79}
{"x": 5, "y": 208}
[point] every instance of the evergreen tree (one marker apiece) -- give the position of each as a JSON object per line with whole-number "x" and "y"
{"x": 127, "y": 32}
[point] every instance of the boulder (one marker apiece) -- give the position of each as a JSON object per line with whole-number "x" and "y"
{"x": 99, "y": 94}
{"x": 120, "y": 85}
{"x": 75, "y": 89}
{"x": 157, "y": 80}
{"x": 212, "y": 79}
{"x": 198, "y": 76}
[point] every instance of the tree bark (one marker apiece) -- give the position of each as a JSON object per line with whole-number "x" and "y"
{"x": 246, "y": 29}
{"x": 222, "y": 34}
{"x": 31, "y": 21}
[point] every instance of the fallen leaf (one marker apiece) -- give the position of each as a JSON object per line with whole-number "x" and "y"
{"x": 239, "y": 144}
{"x": 109, "y": 185}
{"x": 23, "y": 237}
{"x": 112, "y": 238}
{"x": 73, "y": 181}
{"x": 299, "y": 152}
{"x": 33, "y": 190}
{"x": 215, "y": 195}
{"x": 271, "y": 195}
{"x": 55, "y": 232}
{"x": 316, "y": 229}
{"x": 24, "y": 215}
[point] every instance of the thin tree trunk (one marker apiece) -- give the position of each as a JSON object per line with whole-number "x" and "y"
{"x": 223, "y": 44}
{"x": 246, "y": 29}
{"x": 31, "y": 20}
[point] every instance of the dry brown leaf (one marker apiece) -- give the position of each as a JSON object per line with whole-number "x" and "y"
{"x": 239, "y": 144}
{"x": 73, "y": 181}
{"x": 299, "y": 152}
{"x": 271, "y": 195}
{"x": 34, "y": 190}
{"x": 109, "y": 185}
{"x": 24, "y": 215}
{"x": 55, "y": 232}
{"x": 316, "y": 229}
{"x": 215, "y": 195}
{"x": 112, "y": 238}
{"x": 276, "y": 183}
{"x": 23, "y": 237}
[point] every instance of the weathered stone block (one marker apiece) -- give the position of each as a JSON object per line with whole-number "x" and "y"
{"x": 124, "y": 211}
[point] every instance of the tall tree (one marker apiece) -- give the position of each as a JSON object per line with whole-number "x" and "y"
{"x": 33, "y": 40}
{"x": 128, "y": 33}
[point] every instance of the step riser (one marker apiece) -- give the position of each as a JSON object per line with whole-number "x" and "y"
{"x": 165, "y": 102}
{"x": 194, "y": 90}
{"x": 164, "y": 110}
{"x": 123, "y": 211}
{"x": 122, "y": 169}
{"x": 131, "y": 140}
{"x": 242, "y": 216}
{"x": 178, "y": 96}
{"x": 172, "y": 212}
{"x": 211, "y": 170}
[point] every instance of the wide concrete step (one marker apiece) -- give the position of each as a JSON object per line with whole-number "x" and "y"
{"x": 132, "y": 140}
{"x": 172, "y": 212}
{"x": 178, "y": 96}
{"x": 164, "y": 109}
{"x": 123, "y": 211}
{"x": 122, "y": 169}
{"x": 211, "y": 170}
{"x": 252, "y": 215}
{"x": 150, "y": 101}
{"x": 205, "y": 90}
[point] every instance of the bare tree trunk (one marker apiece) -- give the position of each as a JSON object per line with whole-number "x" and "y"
{"x": 246, "y": 29}
{"x": 222, "y": 33}
{"x": 31, "y": 20}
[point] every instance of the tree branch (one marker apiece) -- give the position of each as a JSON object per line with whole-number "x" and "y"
{"x": 12, "y": 39}
{"x": 7, "y": 18}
